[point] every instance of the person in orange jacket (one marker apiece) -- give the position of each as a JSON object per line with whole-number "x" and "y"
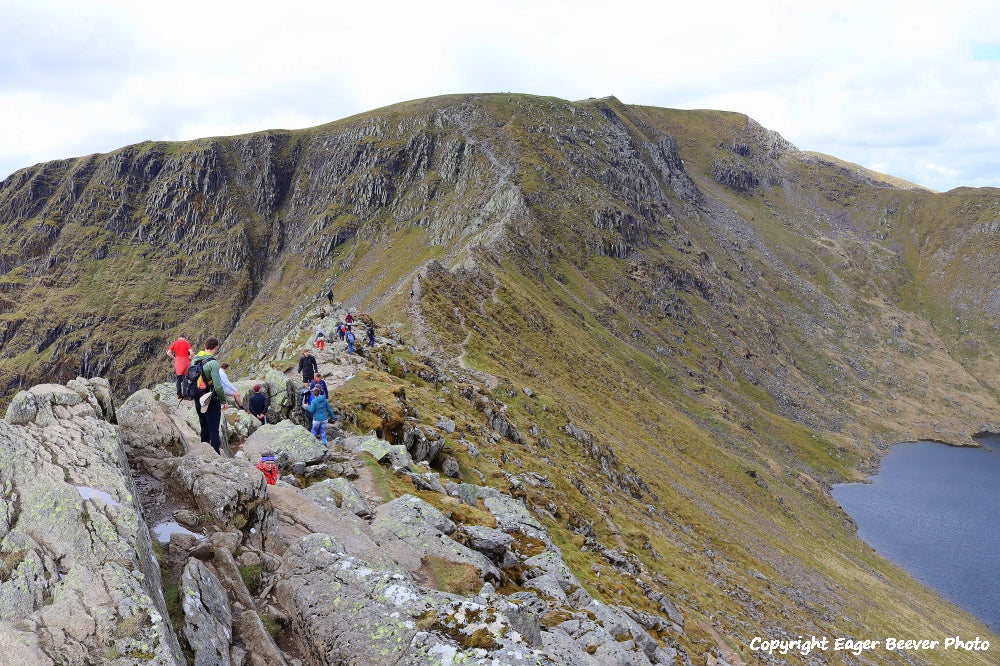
{"x": 268, "y": 468}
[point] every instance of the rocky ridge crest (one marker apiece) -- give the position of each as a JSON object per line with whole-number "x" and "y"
{"x": 336, "y": 577}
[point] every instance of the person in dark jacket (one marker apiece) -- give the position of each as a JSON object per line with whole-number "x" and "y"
{"x": 307, "y": 366}
{"x": 329, "y": 297}
{"x": 210, "y": 413}
{"x": 371, "y": 335}
{"x": 258, "y": 403}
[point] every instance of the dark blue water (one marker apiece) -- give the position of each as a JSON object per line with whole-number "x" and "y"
{"x": 935, "y": 511}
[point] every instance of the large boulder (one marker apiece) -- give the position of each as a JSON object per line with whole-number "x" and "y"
{"x": 79, "y": 573}
{"x": 230, "y": 491}
{"x": 423, "y": 443}
{"x": 376, "y": 447}
{"x": 291, "y": 444}
{"x": 147, "y": 429}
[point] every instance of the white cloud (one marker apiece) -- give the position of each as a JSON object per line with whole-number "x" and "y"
{"x": 908, "y": 86}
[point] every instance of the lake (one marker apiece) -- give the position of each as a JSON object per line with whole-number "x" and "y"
{"x": 935, "y": 511}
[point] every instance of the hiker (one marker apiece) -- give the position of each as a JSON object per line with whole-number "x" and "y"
{"x": 321, "y": 412}
{"x": 349, "y": 335}
{"x": 320, "y": 338}
{"x": 340, "y": 330}
{"x": 322, "y": 313}
{"x": 411, "y": 293}
{"x": 318, "y": 381}
{"x": 259, "y": 403}
{"x": 209, "y": 405}
{"x": 371, "y": 335}
{"x": 268, "y": 468}
{"x": 227, "y": 386}
{"x": 180, "y": 351}
{"x": 307, "y": 366}
{"x": 329, "y": 297}
{"x": 349, "y": 319}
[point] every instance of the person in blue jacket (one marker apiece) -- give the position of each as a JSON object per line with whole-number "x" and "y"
{"x": 321, "y": 413}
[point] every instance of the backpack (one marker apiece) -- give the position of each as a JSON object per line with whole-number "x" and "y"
{"x": 194, "y": 378}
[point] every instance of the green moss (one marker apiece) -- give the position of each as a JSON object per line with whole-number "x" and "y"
{"x": 251, "y": 575}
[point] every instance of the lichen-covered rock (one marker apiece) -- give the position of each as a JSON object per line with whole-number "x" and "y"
{"x": 342, "y": 493}
{"x": 488, "y": 541}
{"x": 208, "y": 619}
{"x": 241, "y": 424}
{"x": 450, "y": 467}
{"x": 378, "y": 448}
{"x": 296, "y": 515}
{"x": 229, "y": 490}
{"x": 22, "y": 408}
{"x": 399, "y": 458}
{"x": 348, "y": 613}
{"x": 412, "y": 530}
{"x": 261, "y": 650}
{"x": 291, "y": 443}
{"x": 512, "y": 515}
{"x": 147, "y": 430}
{"x": 80, "y": 575}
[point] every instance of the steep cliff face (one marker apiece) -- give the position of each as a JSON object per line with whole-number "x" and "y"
{"x": 105, "y": 258}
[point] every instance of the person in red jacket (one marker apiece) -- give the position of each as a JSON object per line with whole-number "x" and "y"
{"x": 268, "y": 468}
{"x": 180, "y": 351}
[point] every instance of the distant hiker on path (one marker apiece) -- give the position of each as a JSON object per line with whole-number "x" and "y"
{"x": 320, "y": 338}
{"x": 321, "y": 413}
{"x": 227, "y": 385}
{"x": 341, "y": 329}
{"x": 329, "y": 297}
{"x": 307, "y": 366}
{"x": 371, "y": 335}
{"x": 180, "y": 351}
{"x": 349, "y": 335}
{"x": 349, "y": 319}
{"x": 258, "y": 403}
{"x": 210, "y": 413}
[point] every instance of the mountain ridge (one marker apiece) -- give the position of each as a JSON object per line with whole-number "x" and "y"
{"x": 710, "y": 315}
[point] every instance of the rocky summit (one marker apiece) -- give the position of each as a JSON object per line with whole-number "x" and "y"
{"x": 621, "y": 354}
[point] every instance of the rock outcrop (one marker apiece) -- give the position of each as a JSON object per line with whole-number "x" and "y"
{"x": 79, "y": 582}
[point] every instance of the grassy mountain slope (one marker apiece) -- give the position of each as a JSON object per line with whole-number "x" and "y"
{"x": 714, "y": 325}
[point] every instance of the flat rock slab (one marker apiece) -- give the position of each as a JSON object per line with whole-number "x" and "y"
{"x": 343, "y": 493}
{"x": 412, "y": 530}
{"x": 297, "y": 515}
{"x": 349, "y": 613}
{"x": 290, "y": 442}
{"x": 378, "y": 448}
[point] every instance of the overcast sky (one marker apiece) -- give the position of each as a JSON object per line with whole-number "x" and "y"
{"x": 911, "y": 89}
